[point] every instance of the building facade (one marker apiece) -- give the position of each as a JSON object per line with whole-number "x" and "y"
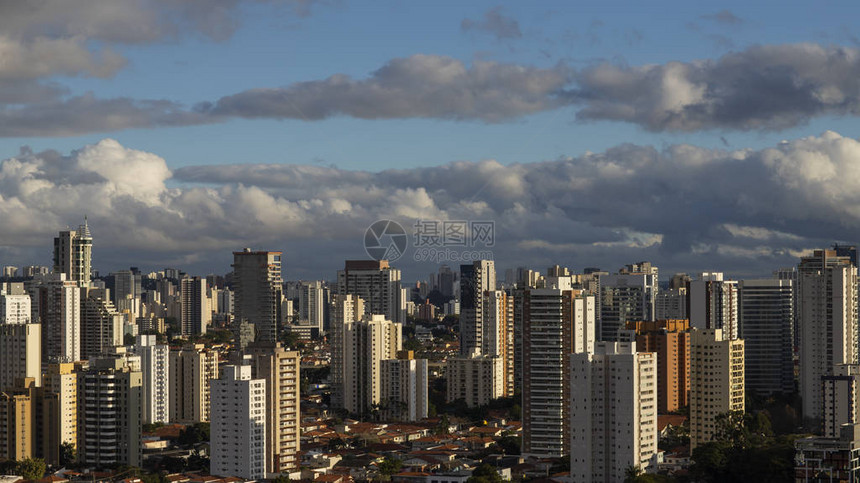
{"x": 257, "y": 291}
{"x": 238, "y": 431}
{"x": 716, "y": 381}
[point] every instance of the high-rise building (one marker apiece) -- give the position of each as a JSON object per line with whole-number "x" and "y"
{"x": 827, "y": 319}
{"x": 191, "y": 370}
{"x": 714, "y": 303}
{"x": 56, "y": 302}
{"x": 557, "y": 321}
{"x": 124, "y": 286}
{"x": 155, "y": 370}
{"x": 109, "y": 424}
{"x": 238, "y": 431}
{"x": 475, "y": 280}
{"x": 196, "y": 315}
{"x": 671, "y": 304}
{"x": 101, "y": 323}
{"x": 279, "y": 368}
{"x": 17, "y": 421}
{"x": 73, "y": 254}
{"x": 366, "y": 344}
{"x": 498, "y": 333}
{"x": 377, "y": 283}
{"x": 405, "y": 388}
{"x": 841, "y": 398}
{"x": 716, "y": 381}
{"x": 628, "y": 295}
{"x": 312, "y": 304}
{"x": 20, "y": 354}
{"x": 59, "y": 396}
{"x": 257, "y": 291}
{"x": 477, "y": 379}
{"x": 613, "y": 406}
{"x": 347, "y": 310}
{"x": 14, "y": 308}
{"x": 766, "y": 309}
{"x": 670, "y": 340}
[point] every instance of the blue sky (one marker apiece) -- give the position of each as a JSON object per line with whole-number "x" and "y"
{"x": 243, "y": 84}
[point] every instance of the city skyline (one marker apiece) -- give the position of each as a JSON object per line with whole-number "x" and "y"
{"x": 700, "y": 139}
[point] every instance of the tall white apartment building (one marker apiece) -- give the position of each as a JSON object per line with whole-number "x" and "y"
{"x": 312, "y": 304}
{"x": 195, "y": 313}
{"x": 475, "y": 280}
{"x": 613, "y": 409}
{"x": 841, "y": 398}
{"x": 15, "y": 309}
{"x": 257, "y": 291}
{"x": 238, "y": 430}
{"x": 827, "y": 320}
{"x": 366, "y": 344}
{"x": 347, "y": 310}
{"x": 191, "y": 368}
{"x": 477, "y": 379}
{"x": 557, "y": 321}
{"x": 280, "y": 369}
{"x": 716, "y": 381}
{"x": 405, "y": 388}
{"x": 56, "y": 302}
{"x": 73, "y": 254}
{"x": 155, "y": 367}
{"x": 377, "y": 283}
{"x": 498, "y": 333}
{"x": 20, "y": 354}
{"x": 714, "y": 304}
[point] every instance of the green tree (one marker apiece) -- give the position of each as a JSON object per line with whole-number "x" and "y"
{"x": 389, "y": 466}
{"x": 485, "y": 473}
{"x": 194, "y": 434}
{"x": 282, "y": 478}
{"x": 8, "y": 467}
{"x": 68, "y": 454}
{"x": 31, "y": 468}
{"x": 510, "y": 445}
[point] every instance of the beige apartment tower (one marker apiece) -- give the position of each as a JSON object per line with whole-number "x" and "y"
{"x": 59, "y": 409}
{"x": 20, "y": 354}
{"x": 280, "y": 369}
{"x": 366, "y": 344}
{"x": 716, "y": 381}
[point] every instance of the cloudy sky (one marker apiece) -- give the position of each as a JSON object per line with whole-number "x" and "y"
{"x": 698, "y": 138}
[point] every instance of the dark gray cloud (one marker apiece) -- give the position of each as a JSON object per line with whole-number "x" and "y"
{"x": 763, "y": 87}
{"x": 495, "y": 23}
{"x": 413, "y": 87}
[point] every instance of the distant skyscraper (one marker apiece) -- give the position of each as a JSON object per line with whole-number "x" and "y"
{"x": 56, "y": 302}
{"x": 827, "y": 318}
{"x": 257, "y": 289}
{"x": 312, "y": 305}
{"x": 716, "y": 381}
{"x": 73, "y": 251}
{"x": 671, "y": 304}
{"x": 238, "y": 431}
{"x": 766, "y": 323}
{"x": 557, "y": 321}
{"x": 613, "y": 411}
{"x": 377, "y": 283}
{"x": 155, "y": 369}
{"x": 626, "y": 296}
{"x": 475, "y": 279}
{"x": 196, "y": 315}
{"x": 497, "y": 338}
{"x": 714, "y": 304}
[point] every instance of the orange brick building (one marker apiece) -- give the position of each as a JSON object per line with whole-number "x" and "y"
{"x": 670, "y": 339}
